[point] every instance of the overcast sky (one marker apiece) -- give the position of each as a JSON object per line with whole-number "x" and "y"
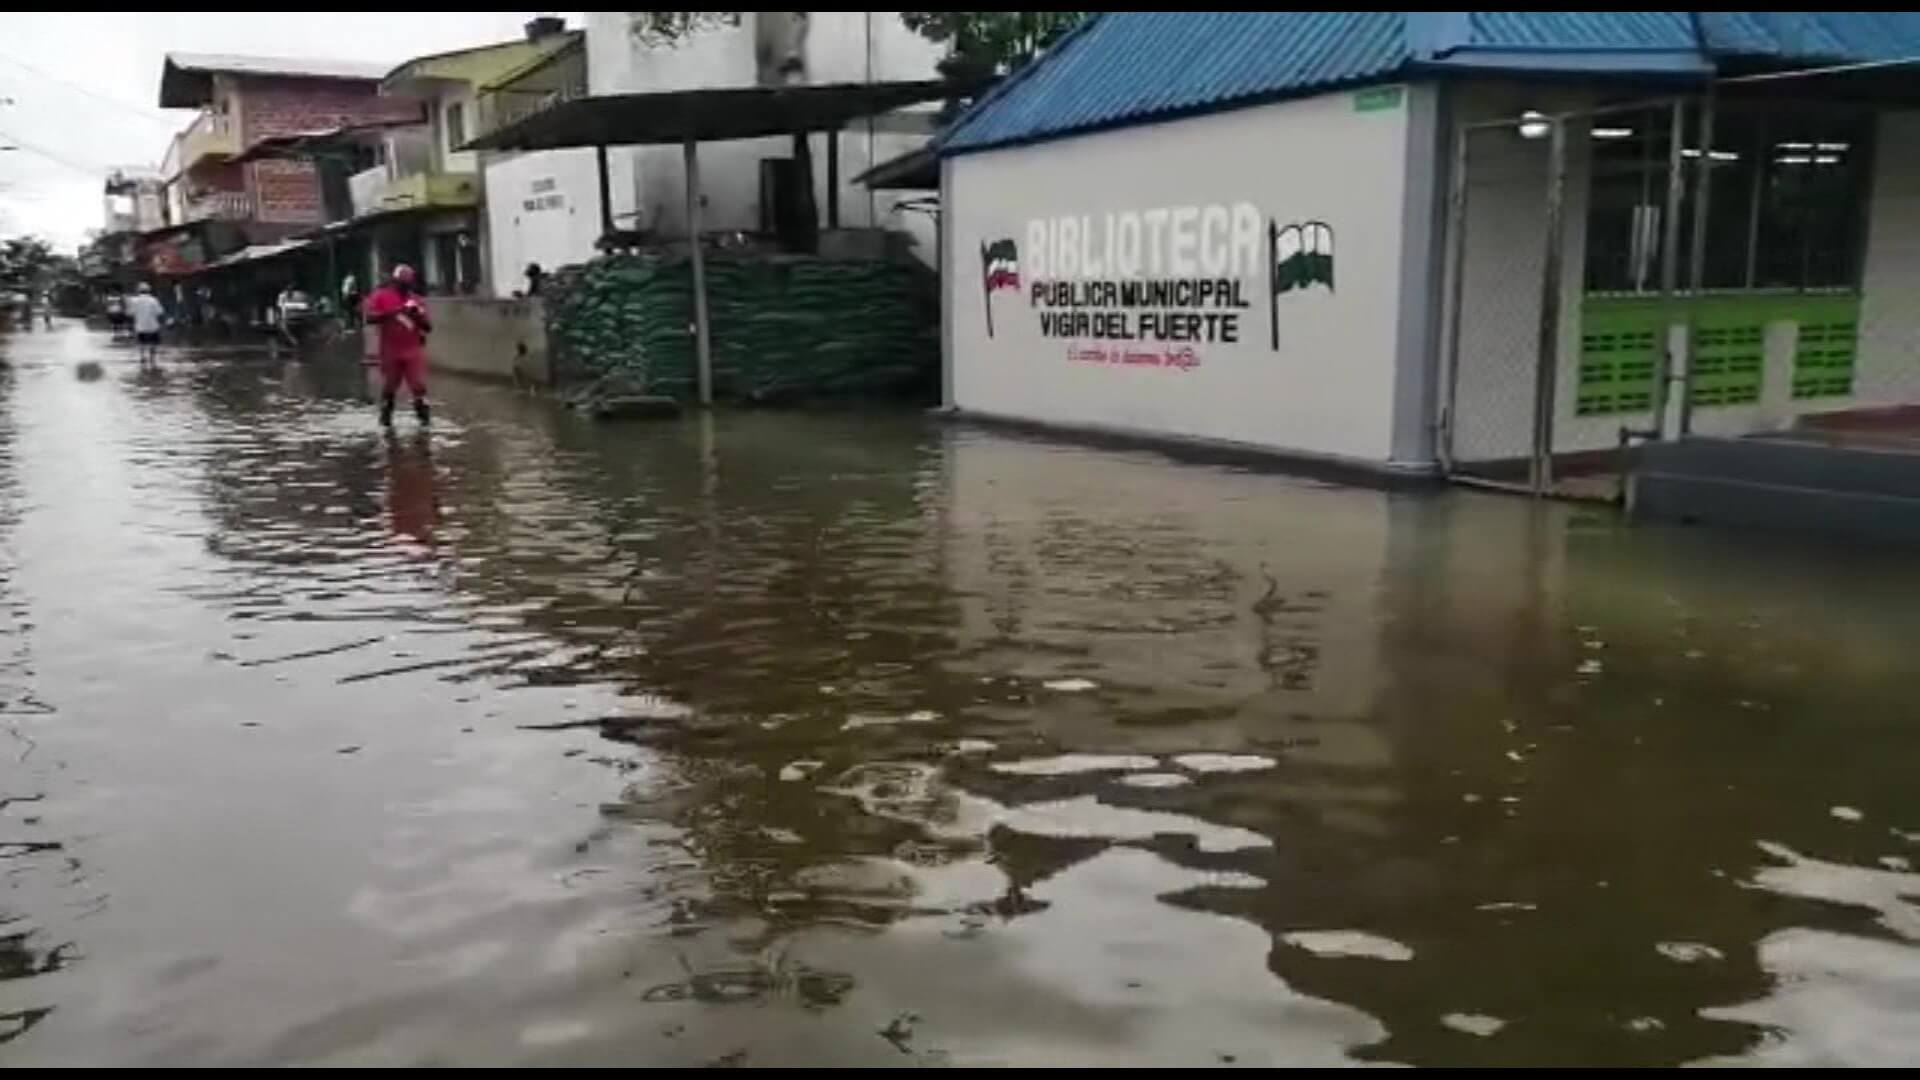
{"x": 78, "y": 90}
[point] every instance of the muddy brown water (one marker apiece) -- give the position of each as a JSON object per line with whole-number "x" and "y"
{"x": 862, "y": 739}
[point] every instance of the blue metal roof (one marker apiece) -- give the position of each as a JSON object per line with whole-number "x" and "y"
{"x": 1128, "y": 67}
{"x": 1803, "y": 37}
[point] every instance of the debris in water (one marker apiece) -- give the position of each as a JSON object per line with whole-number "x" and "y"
{"x": 899, "y": 1031}
{"x": 1642, "y": 1025}
{"x": 1897, "y": 863}
{"x": 1688, "y": 952}
{"x": 1508, "y": 905}
{"x": 1474, "y": 1023}
{"x": 1847, "y": 813}
{"x": 1337, "y": 944}
{"x": 354, "y": 749}
{"x": 1514, "y": 756}
{"x": 1071, "y": 686}
{"x": 974, "y": 746}
{"x": 1588, "y": 667}
{"x": 799, "y": 770}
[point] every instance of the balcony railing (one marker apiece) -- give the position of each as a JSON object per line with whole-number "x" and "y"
{"x": 221, "y": 206}
{"x": 211, "y": 135}
{"x": 375, "y": 192}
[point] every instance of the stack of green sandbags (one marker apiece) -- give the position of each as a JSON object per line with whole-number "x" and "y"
{"x": 784, "y": 327}
{"x": 624, "y": 316}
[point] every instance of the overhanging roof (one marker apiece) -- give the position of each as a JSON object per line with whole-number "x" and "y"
{"x": 916, "y": 170}
{"x": 186, "y": 79}
{"x": 674, "y": 116}
{"x": 480, "y": 65}
{"x": 257, "y": 253}
{"x": 1132, "y": 67}
{"x": 310, "y": 144}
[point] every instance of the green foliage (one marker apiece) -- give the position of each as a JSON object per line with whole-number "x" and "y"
{"x": 670, "y": 27}
{"x": 990, "y": 43}
{"x": 26, "y": 259}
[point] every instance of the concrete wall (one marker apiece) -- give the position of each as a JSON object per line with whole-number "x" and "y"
{"x": 840, "y": 46}
{"x": 495, "y": 339}
{"x": 1326, "y": 388}
{"x": 1887, "y": 369}
{"x": 541, "y": 208}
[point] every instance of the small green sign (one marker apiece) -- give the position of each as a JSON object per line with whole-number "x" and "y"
{"x": 1378, "y": 98}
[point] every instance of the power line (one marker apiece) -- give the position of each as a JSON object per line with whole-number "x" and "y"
{"x": 131, "y": 110}
{"x": 53, "y": 156}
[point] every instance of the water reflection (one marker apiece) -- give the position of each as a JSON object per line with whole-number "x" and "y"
{"x": 776, "y": 738}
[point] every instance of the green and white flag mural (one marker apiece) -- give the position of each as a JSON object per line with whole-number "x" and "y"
{"x": 1299, "y": 255}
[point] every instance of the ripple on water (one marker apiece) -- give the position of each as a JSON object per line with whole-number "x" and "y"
{"x": 1069, "y": 764}
{"x": 1347, "y": 944}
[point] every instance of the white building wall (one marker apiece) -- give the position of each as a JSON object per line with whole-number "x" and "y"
{"x": 458, "y": 160}
{"x": 542, "y": 208}
{"x": 841, "y": 46}
{"x": 1327, "y": 389}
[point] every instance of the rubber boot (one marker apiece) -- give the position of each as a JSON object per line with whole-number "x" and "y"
{"x": 420, "y": 410}
{"x": 386, "y": 410}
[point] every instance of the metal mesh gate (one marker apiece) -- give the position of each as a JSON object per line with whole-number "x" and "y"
{"x": 1534, "y": 371}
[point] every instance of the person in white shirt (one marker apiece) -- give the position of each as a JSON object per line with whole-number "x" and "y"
{"x": 146, "y": 312}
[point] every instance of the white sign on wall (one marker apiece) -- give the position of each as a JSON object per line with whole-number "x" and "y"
{"x": 544, "y": 195}
{"x": 1152, "y": 279}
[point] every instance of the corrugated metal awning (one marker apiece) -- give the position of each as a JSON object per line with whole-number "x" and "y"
{"x": 678, "y": 116}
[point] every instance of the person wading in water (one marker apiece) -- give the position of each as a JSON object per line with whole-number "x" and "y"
{"x": 396, "y": 309}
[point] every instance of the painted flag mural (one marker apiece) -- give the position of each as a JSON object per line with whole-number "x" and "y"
{"x": 999, "y": 269}
{"x": 1299, "y": 255}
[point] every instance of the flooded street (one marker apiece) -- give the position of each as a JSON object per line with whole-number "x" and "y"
{"x": 775, "y": 738}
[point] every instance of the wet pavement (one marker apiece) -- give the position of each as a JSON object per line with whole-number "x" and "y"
{"x": 861, "y": 739}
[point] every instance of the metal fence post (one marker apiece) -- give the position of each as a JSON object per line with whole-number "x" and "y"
{"x": 1456, "y": 271}
{"x": 1702, "y": 191}
{"x": 1670, "y": 266}
{"x": 1547, "y": 362}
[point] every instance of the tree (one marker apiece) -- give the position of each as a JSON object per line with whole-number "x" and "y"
{"x": 671, "y": 27}
{"x": 25, "y": 260}
{"x": 987, "y": 44}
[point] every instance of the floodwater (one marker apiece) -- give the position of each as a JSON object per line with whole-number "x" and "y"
{"x": 861, "y": 739}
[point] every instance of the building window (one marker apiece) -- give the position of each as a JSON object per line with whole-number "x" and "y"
{"x": 1786, "y": 209}
{"x": 456, "y": 125}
